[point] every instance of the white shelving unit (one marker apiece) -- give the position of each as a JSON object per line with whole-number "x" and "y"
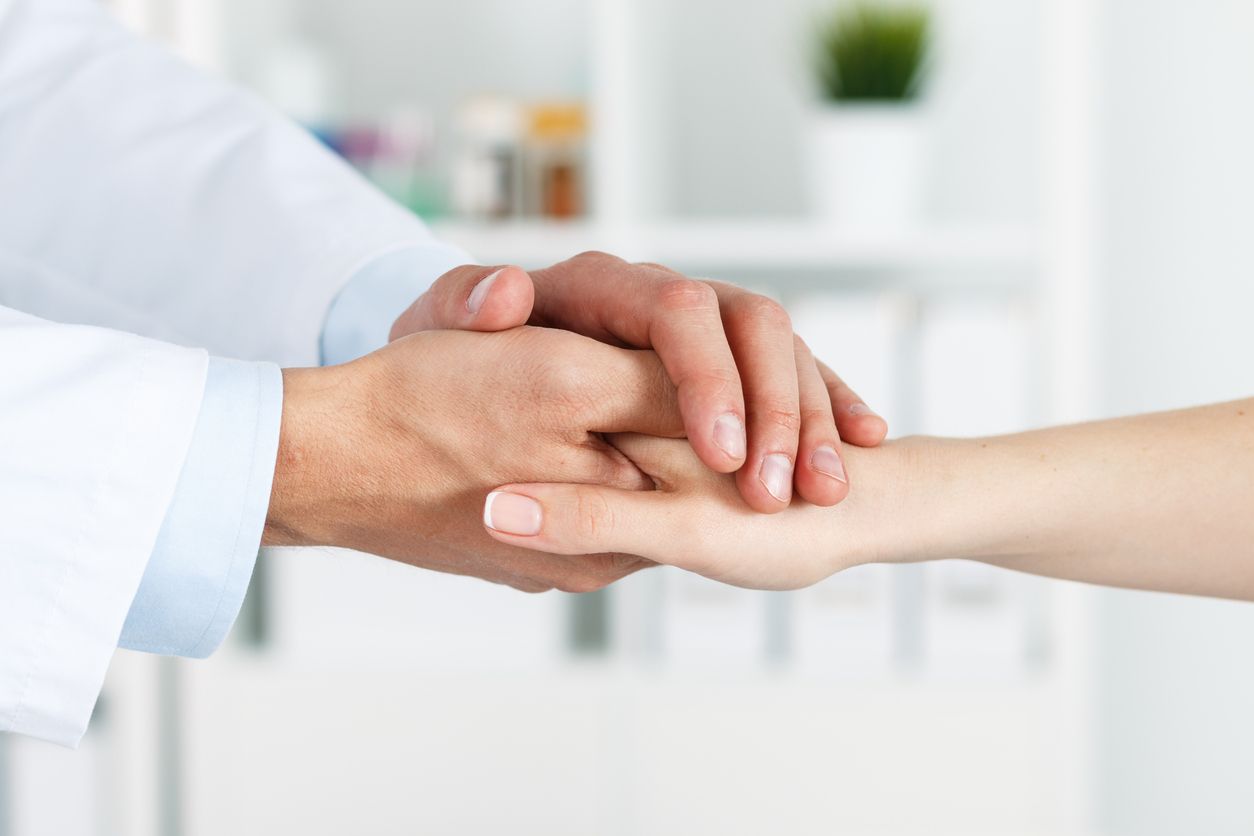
{"x": 768, "y": 245}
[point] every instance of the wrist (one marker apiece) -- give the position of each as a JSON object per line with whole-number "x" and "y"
{"x": 302, "y": 511}
{"x": 930, "y": 498}
{"x": 894, "y": 513}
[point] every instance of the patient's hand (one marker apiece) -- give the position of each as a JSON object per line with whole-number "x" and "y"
{"x": 696, "y": 520}
{"x": 1150, "y": 502}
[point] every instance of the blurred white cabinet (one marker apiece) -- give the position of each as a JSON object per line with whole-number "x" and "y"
{"x": 329, "y": 606}
{"x": 608, "y": 750}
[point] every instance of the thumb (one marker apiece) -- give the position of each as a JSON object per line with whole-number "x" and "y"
{"x": 470, "y": 298}
{"x": 579, "y": 519}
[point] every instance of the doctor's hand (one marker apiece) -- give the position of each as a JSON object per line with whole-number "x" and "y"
{"x": 393, "y": 454}
{"x": 732, "y": 355}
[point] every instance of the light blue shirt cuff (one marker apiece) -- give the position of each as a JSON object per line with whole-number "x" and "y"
{"x": 361, "y": 316}
{"x": 199, "y": 570}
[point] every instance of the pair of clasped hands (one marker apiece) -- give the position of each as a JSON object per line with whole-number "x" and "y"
{"x": 566, "y": 427}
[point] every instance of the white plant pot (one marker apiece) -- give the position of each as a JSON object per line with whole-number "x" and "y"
{"x": 866, "y": 164}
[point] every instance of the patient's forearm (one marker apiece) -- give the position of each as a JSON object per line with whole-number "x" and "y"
{"x": 1162, "y": 501}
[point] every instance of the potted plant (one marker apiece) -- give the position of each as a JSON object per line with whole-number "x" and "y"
{"x": 867, "y": 137}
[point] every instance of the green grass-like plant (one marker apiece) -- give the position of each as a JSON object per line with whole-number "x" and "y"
{"x": 873, "y": 51}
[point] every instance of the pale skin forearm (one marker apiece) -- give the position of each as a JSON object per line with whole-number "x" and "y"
{"x": 1162, "y": 501}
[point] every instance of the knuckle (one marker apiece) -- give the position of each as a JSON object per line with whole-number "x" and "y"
{"x": 567, "y": 377}
{"x": 782, "y": 417}
{"x": 558, "y": 376}
{"x": 595, "y": 257}
{"x": 766, "y": 311}
{"x": 714, "y": 382}
{"x": 684, "y": 294}
{"x": 594, "y": 517}
{"x": 817, "y": 415}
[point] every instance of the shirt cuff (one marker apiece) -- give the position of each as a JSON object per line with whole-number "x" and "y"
{"x": 199, "y": 570}
{"x": 360, "y": 317}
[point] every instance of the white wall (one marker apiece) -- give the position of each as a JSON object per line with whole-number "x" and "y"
{"x": 467, "y": 47}
{"x": 1177, "y": 675}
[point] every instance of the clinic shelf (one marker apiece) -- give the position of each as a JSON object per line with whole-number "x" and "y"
{"x": 753, "y": 245}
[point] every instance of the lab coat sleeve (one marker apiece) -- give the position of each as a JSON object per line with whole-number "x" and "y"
{"x": 94, "y": 429}
{"x": 203, "y": 560}
{"x": 162, "y": 201}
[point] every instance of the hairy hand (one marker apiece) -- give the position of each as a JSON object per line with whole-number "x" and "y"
{"x": 752, "y": 397}
{"x": 394, "y": 453}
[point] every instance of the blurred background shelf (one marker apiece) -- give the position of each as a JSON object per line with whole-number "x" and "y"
{"x": 755, "y": 245}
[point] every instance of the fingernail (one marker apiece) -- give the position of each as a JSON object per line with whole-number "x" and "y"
{"x": 776, "y": 476}
{"x": 475, "y": 301}
{"x": 729, "y": 435}
{"x": 512, "y": 513}
{"x": 827, "y": 461}
{"x": 860, "y": 409}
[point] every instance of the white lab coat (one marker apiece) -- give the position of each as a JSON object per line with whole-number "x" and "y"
{"x": 136, "y": 194}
